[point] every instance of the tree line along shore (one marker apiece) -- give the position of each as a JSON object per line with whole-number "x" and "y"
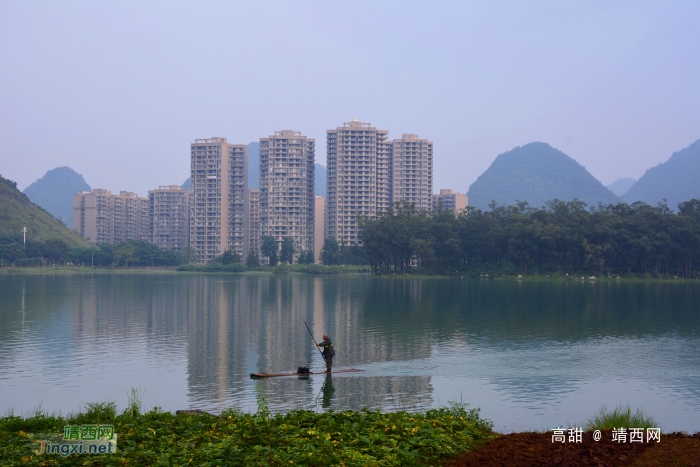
{"x": 560, "y": 240}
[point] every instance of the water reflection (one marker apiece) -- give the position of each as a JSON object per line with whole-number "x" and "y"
{"x": 327, "y": 390}
{"x": 192, "y": 341}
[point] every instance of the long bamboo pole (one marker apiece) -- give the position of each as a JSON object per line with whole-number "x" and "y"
{"x": 312, "y": 336}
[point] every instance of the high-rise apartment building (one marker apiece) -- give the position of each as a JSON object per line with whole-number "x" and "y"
{"x": 287, "y": 183}
{"x": 107, "y": 218}
{"x": 254, "y": 220}
{"x": 146, "y": 222}
{"x": 219, "y": 198}
{"x": 352, "y": 153}
{"x": 412, "y": 171}
{"x": 385, "y": 172}
{"x": 367, "y": 174}
{"x": 448, "y": 200}
{"x": 169, "y": 215}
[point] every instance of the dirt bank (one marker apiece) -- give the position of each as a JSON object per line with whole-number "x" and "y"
{"x": 537, "y": 449}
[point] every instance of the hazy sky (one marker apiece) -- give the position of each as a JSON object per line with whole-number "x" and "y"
{"x": 119, "y": 90}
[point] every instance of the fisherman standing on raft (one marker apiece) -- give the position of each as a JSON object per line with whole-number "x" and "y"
{"x": 328, "y": 352}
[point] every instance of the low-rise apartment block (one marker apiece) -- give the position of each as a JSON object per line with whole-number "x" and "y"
{"x": 169, "y": 216}
{"x": 104, "y": 217}
{"x": 448, "y": 200}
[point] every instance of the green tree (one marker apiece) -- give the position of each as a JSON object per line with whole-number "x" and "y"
{"x": 12, "y": 252}
{"x": 227, "y": 257}
{"x": 330, "y": 251}
{"x": 55, "y": 249}
{"x": 84, "y": 256}
{"x": 126, "y": 252}
{"x": 270, "y": 249}
{"x": 191, "y": 254}
{"x": 287, "y": 251}
{"x": 307, "y": 257}
{"x": 252, "y": 258}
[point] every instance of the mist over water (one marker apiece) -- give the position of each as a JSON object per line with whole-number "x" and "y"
{"x": 531, "y": 355}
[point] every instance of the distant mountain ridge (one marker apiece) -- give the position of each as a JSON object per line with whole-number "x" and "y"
{"x": 537, "y": 173}
{"x": 621, "y": 185}
{"x": 676, "y": 180}
{"x": 54, "y": 192}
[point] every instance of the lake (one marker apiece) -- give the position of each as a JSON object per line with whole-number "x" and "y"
{"x": 531, "y": 355}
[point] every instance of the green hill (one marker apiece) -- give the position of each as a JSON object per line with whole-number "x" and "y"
{"x": 677, "y": 180}
{"x": 537, "y": 173}
{"x": 54, "y": 192}
{"x": 17, "y": 211}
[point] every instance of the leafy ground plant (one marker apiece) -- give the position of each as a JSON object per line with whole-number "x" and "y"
{"x": 94, "y": 412}
{"x": 300, "y": 437}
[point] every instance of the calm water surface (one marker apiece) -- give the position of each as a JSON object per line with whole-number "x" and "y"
{"x": 530, "y": 355}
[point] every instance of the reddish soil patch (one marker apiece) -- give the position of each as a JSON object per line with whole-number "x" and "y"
{"x": 537, "y": 449}
{"x": 675, "y": 449}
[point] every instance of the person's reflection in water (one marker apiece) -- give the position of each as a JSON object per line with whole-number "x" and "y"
{"x": 328, "y": 391}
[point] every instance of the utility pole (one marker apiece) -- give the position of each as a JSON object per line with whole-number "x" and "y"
{"x": 92, "y": 260}
{"x": 24, "y": 231}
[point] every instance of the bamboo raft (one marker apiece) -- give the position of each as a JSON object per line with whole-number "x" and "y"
{"x": 273, "y": 375}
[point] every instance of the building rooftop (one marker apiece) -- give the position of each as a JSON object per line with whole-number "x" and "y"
{"x": 214, "y": 139}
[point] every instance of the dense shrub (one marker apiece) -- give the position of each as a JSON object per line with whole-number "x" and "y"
{"x": 323, "y": 269}
{"x": 315, "y": 269}
{"x": 281, "y": 269}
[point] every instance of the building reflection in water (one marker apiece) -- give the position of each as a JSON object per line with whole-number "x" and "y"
{"x": 194, "y": 339}
{"x": 216, "y": 330}
{"x": 256, "y": 324}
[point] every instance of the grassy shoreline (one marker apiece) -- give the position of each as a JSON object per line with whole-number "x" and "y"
{"x": 299, "y": 437}
{"x": 326, "y": 270}
{"x": 319, "y": 270}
